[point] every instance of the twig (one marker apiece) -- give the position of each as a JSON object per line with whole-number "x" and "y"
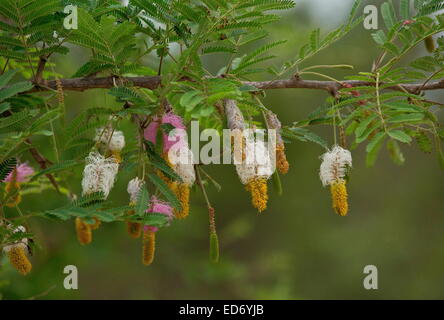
{"x": 6, "y": 64}
{"x": 204, "y": 192}
{"x": 40, "y": 68}
{"x": 44, "y": 293}
{"x": 153, "y": 82}
{"x": 43, "y": 163}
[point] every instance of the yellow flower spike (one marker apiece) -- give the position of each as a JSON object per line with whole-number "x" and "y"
{"x": 339, "y": 197}
{"x": 273, "y": 123}
{"x": 17, "y": 258}
{"x": 13, "y": 187}
{"x": 238, "y": 146}
{"x": 164, "y": 177}
{"x": 183, "y": 194}
{"x": 84, "y": 234}
{"x": 149, "y": 247}
{"x": 117, "y": 156}
{"x": 60, "y": 96}
{"x": 430, "y": 44}
{"x": 281, "y": 160}
{"x": 259, "y": 193}
{"x": 96, "y": 224}
{"x": 15, "y": 200}
{"x": 134, "y": 229}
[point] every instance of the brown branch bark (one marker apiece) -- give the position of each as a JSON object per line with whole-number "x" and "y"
{"x": 40, "y": 68}
{"x": 235, "y": 119}
{"x": 235, "y": 122}
{"x": 43, "y": 163}
{"x": 82, "y": 84}
{"x": 152, "y": 82}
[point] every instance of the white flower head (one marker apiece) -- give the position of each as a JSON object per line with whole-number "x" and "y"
{"x": 134, "y": 187}
{"x": 335, "y": 164}
{"x": 182, "y": 160}
{"x": 116, "y": 142}
{"x": 99, "y": 174}
{"x": 23, "y": 243}
{"x": 257, "y": 163}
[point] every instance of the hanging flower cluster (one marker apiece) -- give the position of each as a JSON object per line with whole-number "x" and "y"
{"x": 177, "y": 154}
{"x": 149, "y": 232}
{"x": 184, "y": 168}
{"x": 98, "y": 176}
{"x": 281, "y": 159}
{"x": 255, "y": 163}
{"x": 113, "y": 140}
{"x": 20, "y": 174}
{"x": 17, "y": 253}
{"x": 255, "y": 170}
{"x": 333, "y": 173}
{"x": 134, "y": 228}
{"x": 169, "y": 139}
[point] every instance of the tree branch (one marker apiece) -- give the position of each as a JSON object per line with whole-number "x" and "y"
{"x": 43, "y": 163}
{"x": 40, "y": 68}
{"x": 152, "y": 82}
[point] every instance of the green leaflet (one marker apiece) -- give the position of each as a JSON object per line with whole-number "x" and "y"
{"x": 157, "y": 161}
{"x": 6, "y": 167}
{"x": 167, "y": 193}
{"x": 395, "y": 152}
{"x": 304, "y": 135}
{"x": 277, "y": 183}
{"x": 56, "y": 168}
{"x": 142, "y": 203}
{"x": 153, "y": 219}
{"x": 15, "y": 88}
{"x": 86, "y": 207}
{"x": 373, "y": 148}
{"x": 404, "y": 9}
{"x": 388, "y": 14}
{"x": 400, "y": 136}
{"x": 424, "y": 142}
{"x": 214, "y": 248}
{"x": 364, "y": 124}
{"x": 406, "y": 118}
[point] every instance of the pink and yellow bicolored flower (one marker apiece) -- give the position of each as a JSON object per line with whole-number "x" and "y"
{"x": 151, "y": 132}
{"x": 14, "y": 179}
{"x": 149, "y": 232}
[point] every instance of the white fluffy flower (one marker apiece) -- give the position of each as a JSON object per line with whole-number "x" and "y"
{"x": 99, "y": 174}
{"x": 257, "y": 163}
{"x": 115, "y": 143}
{"x": 182, "y": 161}
{"x": 134, "y": 187}
{"x": 23, "y": 243}
{"x": 334, "y": 165}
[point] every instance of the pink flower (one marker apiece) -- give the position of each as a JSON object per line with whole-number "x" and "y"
{"x": 23, "y": 172}
{"x": 159, "y": 206}
{"x": 176, "y": 137}
{"x": 150, "y": 228}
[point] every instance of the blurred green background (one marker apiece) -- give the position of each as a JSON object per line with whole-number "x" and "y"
{"x": 297, "y": 249}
